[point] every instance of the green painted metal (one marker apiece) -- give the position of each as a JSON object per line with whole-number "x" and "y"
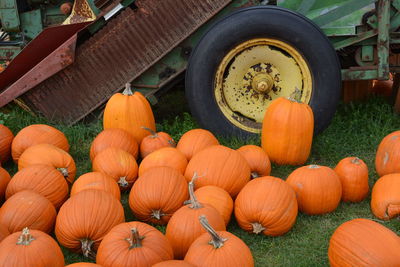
{"x": 9, "y": 16}
{"x": 367, "y": 53}
{"x": 7, "y": 52}
{"x": 305, "y": 6}
{"x": 353, "y": 40}
{"x": 383, "y": 39}
{"x": 31, "y": 23}
{"x": 354, "y": 74}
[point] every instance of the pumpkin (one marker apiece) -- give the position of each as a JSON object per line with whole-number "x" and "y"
{"x": 155, "y": 141}
{"x": 266, "y": 205}
{"x": 173, "y": 263}
{"x": 362, "y": 242}
{"x": 220, "y": 166}
{"x": 118, "y": 164}
{"x": 218, "y": 198}
{"x": 129, "y": 111}
{"x": 133, "y": 244}
{"x": 167, "y": 156}
{"x": 42, "y": 179}
{"x": 5, "y": 178}
{"x": 218, "y": 249}
{"x": 6, "y": 138}
{"x": 37, "y": 134}
{"x": 388, "y": 155}
{"x": 287, "y": 132}
{"x": 49, "y": 155}
{"x": 157, "y": 194}
{"x": 3, "y": 232}
{"x": 257, "y": 159}
{"x": 96, "y": 180}
{"x": 353, "y": 174}
{"x": 184, "y": 227}
{"x": 117, "y": 138}
{"x": 83, "y": 264}
{"x": 318, "y": 189}
{"x": 30, "y": 248}
{"x": 385, "y": 197}
{"x": 86, "y": 218}
{"x": 28, "y": 209}
{"x": 194, "y": 141}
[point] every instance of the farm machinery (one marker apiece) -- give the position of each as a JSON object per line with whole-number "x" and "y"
{"x": 238, "y": 55}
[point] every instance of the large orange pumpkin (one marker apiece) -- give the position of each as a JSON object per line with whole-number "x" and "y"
{"x": 42, "y": 179}
{"x": 129, "y": 111}
{"x": 155, "y": 141}
{"x": 318, "y": 189}
{"x": 287, "y": 132}
{"x": 167, "y": 156}
{"x": 96, "y": 180}
{"x": 362, "y": 242}
{"x": 6, "y": 138}
{"x": 220, "y": 166}
{"x": 49, "y": 155}
{"x": 173, "y": 263}
{"x": 133, "y": 244}
{"x": 388, "y": 154}
{"x": 5, "y": 178}
{"x": 194, "y": 141}
{"x": 86, "y": 218}
{"x": 37, "y": 134}
{"x": 385, "y": 197}
{"x": 30, "y": 248}
{"x": 266, "y": 205}
{"x": 257, "y": 159}
{"x": 114, "y": 137}
{"x": 157, "y": 194}
{"x": 3, "y": 232}
{"x": 353, "y": 174}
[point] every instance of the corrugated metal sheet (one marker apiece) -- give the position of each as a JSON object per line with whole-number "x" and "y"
{"x": 119, "y": 52}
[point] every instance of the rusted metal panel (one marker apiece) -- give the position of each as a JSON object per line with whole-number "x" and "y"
{"x": 122, "y": 50}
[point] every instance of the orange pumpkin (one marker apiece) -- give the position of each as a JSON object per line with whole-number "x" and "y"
{"x": 49, "y": 155}
{"x": 133, "y": 244}
{"x": 318, "y": 189}
{"x": 362, "y": 242}
{"x": 194, "y": 141}
{"x": 218, "y": 249}
{"x": 86, "y": 218}
{"x": 118, "y": 164}
{"x": 3, "y": 232}
{"x": 98, "y": 181}
{"x": 253, "y": 206}
{"x": 28, "y": 209}
{"x": 42, "y": 179}
{"x": 157, "y": 194}
{"x": 257, "y": 159}
{"x": 83, "y": 264}
{"x": 37, "y": 134}
{"x": 173, "y": 263}
{"x": 6, "y": 138}
{"x": 129, "y": 111}
{"x": 388, "y": 155}
{"x": 287, "y": 132}
{"x": 219, "y": 166}
{"x": 30, "y": 248}
{"x": 155, "y": 141}
{"x": 167, "y": 157}
{"x": 114, "y": 137}
{"x": 5, "y": 178}
{"x": 385, "y": 197}
{"x": 353, "y": 174}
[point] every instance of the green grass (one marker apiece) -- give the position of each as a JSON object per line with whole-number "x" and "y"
{"x": 356, "y": 130}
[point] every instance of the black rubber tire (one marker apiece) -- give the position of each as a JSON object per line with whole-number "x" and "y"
{"x": 261, "y": 22}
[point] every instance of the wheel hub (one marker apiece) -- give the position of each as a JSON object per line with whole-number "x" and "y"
{"x": 262, "y": 83}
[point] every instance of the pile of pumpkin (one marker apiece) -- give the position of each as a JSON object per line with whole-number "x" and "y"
{"x": 191, "y": 187}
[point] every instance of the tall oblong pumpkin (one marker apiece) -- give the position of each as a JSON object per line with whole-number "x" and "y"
{"x": 287, "y": 131}
{"x": 129, "y": 111}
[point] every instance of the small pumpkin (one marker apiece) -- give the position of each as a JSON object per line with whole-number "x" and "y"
{"x": 353, "y": 174}
{"x": 287, "y": 131}
{"x": 5, "y": 178}
{"x": 157, "y": 194}
{"x": 98, "y": 181}
{"x": 173, "y": 263}
{"x": 257, "y": 159}
{"x": 362, "y": 242}
{"x": 129, "y": 111}
{"x": 37, "y": 134}
{"x": 388, "y": 155}
{"x": 21, "y": 249}
{"x": 218, "y": 249}
{"x": 49, "y": 155}
{"x": 194, "y": 141}
{"x": 166, "y": 156}
{"x": 114, "y": 137}
{"x": 118, "y": 164}
{"x": 3, "y": 232}
{"x": 318, "y": 189}
{"x": 6, "y": 138}
{"x": 133, "y": 244}
{"x": 155, "y": 141}
{"x": 385, "y": 197}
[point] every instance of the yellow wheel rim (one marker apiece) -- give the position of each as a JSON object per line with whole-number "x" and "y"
{"x": 256, "y": 72}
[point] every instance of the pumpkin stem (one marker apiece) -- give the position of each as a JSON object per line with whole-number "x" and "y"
{"x": 86, "y": 245}
{"x": 356, "y": 161}
{"x": 217, "y": 241}
{"x": 128, "y": 89}
{"x": 123, "y": 182}
{"x": 153, "y": 133}
{"x": 254, "y": 175}
{"x": 195, "y": 204}
{"x": 157, "y": 214}
{"x": 64, "y": 171}
{"x": 295, "y": 96}
{"x": 257, "y": 228}
{"x": 393, "y": 210}
{"x": 172, "y": 143}
{"x": 136, "y": 240}
{"x": 25, "y": 238}
{"x": 313, "y": 166}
